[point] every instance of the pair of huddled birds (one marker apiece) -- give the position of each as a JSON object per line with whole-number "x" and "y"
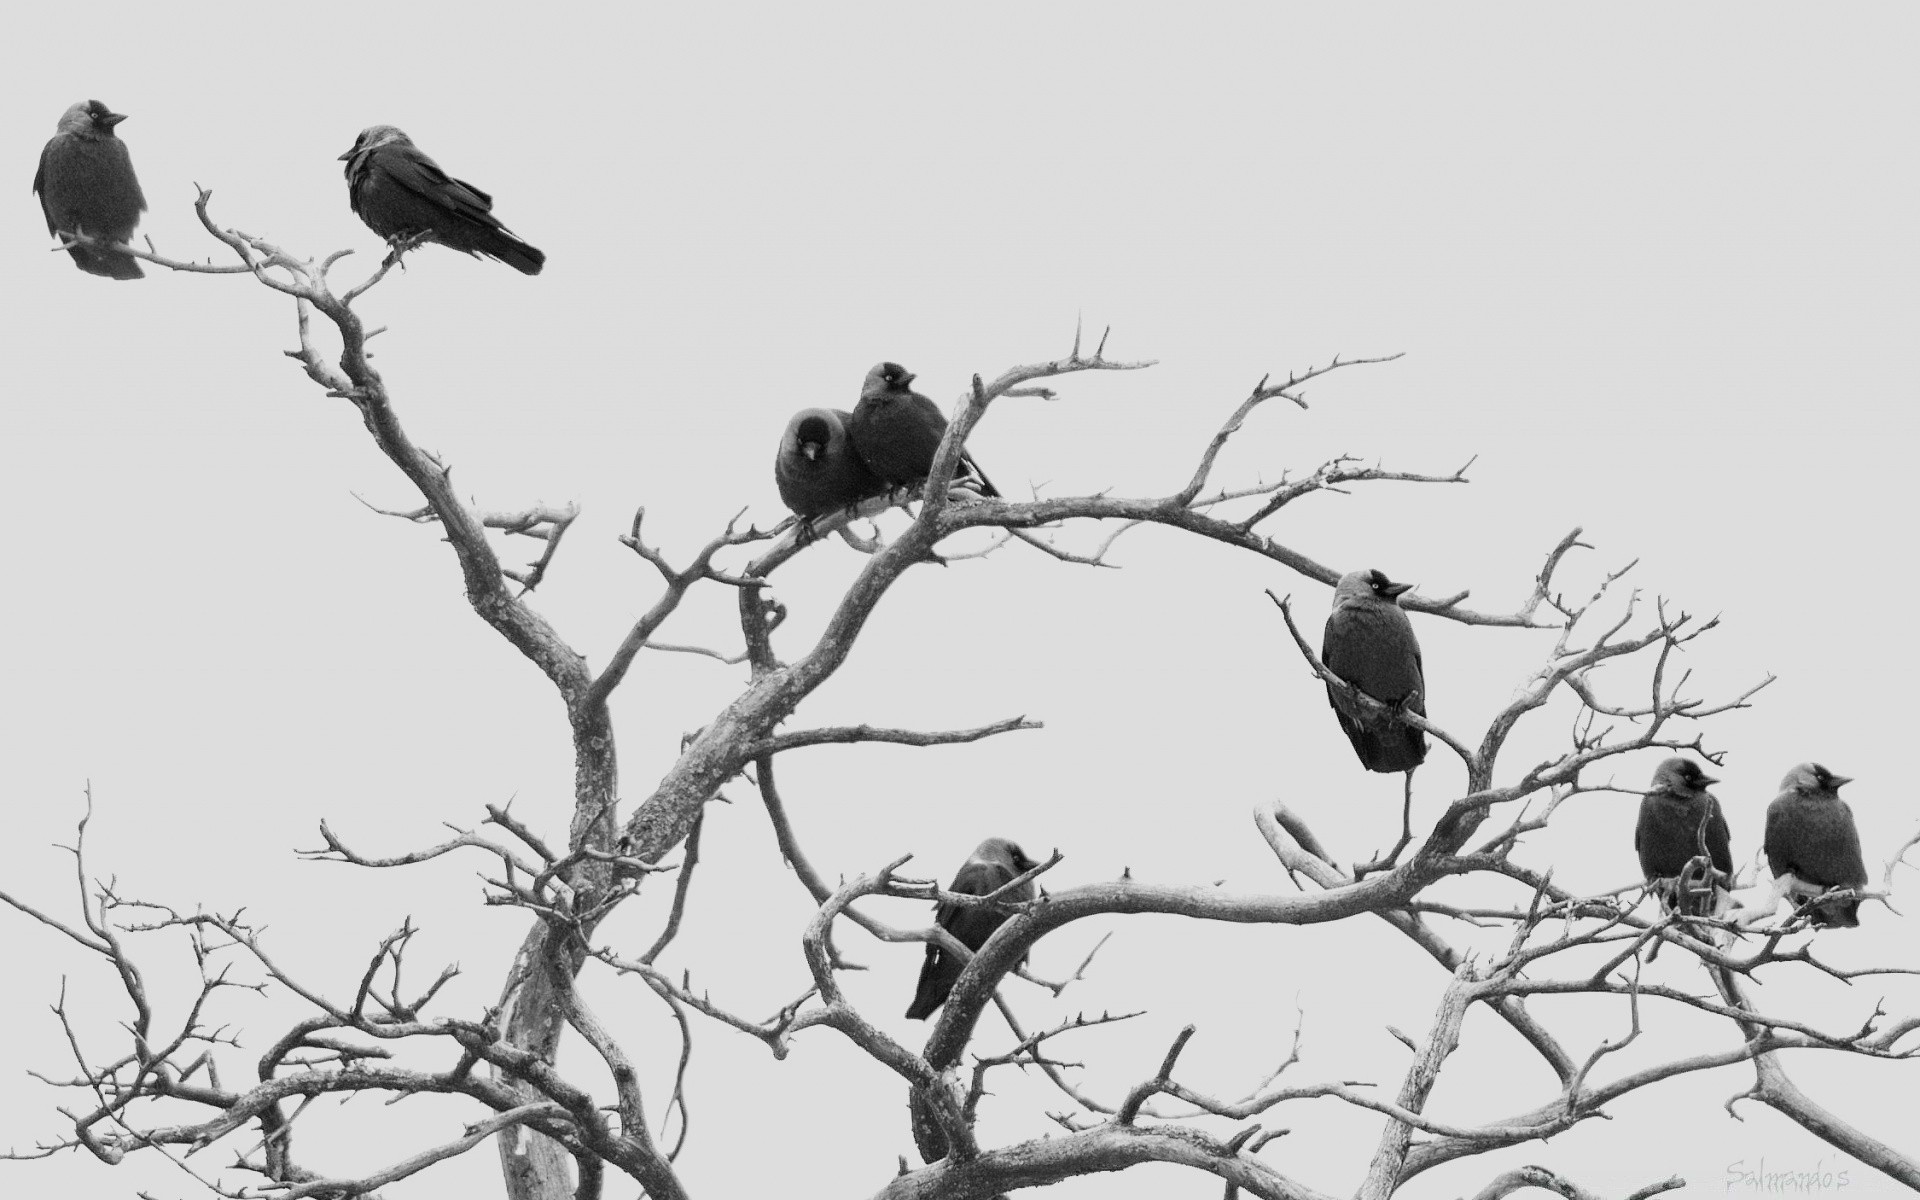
{"x": 87, "y": 186}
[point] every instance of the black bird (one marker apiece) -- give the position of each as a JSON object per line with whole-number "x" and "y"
{"x": 995, "y": 863}
{"x": 1369, "y": 643}
{"x": 401, "y": 194}
{"x": 897, "y": 431}
{"x": 816, "y": 469}
{"x": 1812, "y": 839}
{"x": 1679, "y": 821}
{"x": 86, "y": 185}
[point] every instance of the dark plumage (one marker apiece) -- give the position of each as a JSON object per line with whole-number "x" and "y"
{"x": 897, "y": 431}
{"x": 994, "y": 864}
{"x": 816, "y": 468}
{"x": 1679, "y": 821}
{"x": 86, "y": 185}
{"x": 1811, "y": 836}
{"x": 1369, "y": 643}
{"x": 401, "y": 193}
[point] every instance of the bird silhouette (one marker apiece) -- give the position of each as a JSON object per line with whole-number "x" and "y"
{"x": 87, "y": 186}
{"x": 404, "y": 196}
{"x": 1680, "y": 821}
{"x": 1813, "y": 845}
{"x": 1369, "y": 643}
{"x": 996, "y": 862}
{"x": 897, "y": 431}
{"x": 816, "y": 468}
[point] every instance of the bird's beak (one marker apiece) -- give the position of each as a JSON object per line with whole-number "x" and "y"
{"x": 1394, "y": 589}
{"x": 348, "y": 154}
{"x": 908, "y": 378}
{"x": 1707, "y": 779}
{"x": 112, "y": 119}
{"x": 1841, "y": 780}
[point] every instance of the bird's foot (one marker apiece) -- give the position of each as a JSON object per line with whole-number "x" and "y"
{"x": 399, "y": 244}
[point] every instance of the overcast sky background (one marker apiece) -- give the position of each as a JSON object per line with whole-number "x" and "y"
{"x": 1654, "y": 267}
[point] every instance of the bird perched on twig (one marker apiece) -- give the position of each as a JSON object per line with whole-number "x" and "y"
{"x": 86, "y": 186}
{"x": 1813, "y": 845}
{"x": 1681, "y": 821}
{"x": 996, "y": 862}
{"x": 1369, "y": 643}
{"x": 816, "y": 469}
{"x": 405, "y": 197}
{"x": 897, "y": 432}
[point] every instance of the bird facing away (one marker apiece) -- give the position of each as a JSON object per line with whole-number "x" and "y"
{"x": 816, "y": 469}
{"x": 995, "y": 863}
{"x": 1811, "y": 837}
{"x": 1679, "y": 821}
{"x": 401, "y": 193}
{"x": 1369, "y": 643}
{"x": 897, "y": 431}
{"x": 86, "y": 185}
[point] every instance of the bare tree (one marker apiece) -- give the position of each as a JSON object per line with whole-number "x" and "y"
{"x": 1502, "y": 934}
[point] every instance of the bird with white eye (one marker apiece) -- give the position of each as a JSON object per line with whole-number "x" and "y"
{"x": 1369, "y": 643}
{"x": 87, "y": 186}
{"x": 897, "y": 431}
{"x": 1680, "y": 823}
{"x": 1813, "y": 846}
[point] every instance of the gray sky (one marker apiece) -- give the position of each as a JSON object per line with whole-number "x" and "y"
{"x": 1655, "y": 268}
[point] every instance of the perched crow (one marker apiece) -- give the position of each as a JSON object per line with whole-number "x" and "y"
{"x": 816, "y": 469}
{"x": 1369, "y": 643}
{"x": 1811, "y": 837}
{"x": 401, "y": 193}
{"x": 897, "y": 431}
{"x": 86, "y": 185}
{"x": 994, "y": 864}
{"x": 1679, "y": 821}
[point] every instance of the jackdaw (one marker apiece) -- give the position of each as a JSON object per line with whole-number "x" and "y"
{"x": 1679, "y": 821}
{"x": 897, "y": 431}
{"x": 816, "y": 469}
{"x": 1369, "y": 643}
{"x": 86, "y": 185}
{"x": 402, "y": 194}
{"x": 1813, "y": 845}
{"x": 995, "y": 863}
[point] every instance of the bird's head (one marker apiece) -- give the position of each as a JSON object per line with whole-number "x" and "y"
{"x": 887, "y": 378}
{"x": 1682, "y": 777}
{"x": 372, "y": 138}
{"x": 1369, "y": 584}
{"x": 90, "y": 118}
{"x": 812, "y": 435}
{"x": 1006, "y": 853}
{"x": 1812, "y": 777}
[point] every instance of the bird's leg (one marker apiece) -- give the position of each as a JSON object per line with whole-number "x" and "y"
{"x": 400, "y": 243}
{"x": 1406, "y": 836}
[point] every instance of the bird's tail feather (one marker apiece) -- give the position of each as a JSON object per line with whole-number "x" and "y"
{"x": 515, "y": 253}
{"x": 107, "y": 263}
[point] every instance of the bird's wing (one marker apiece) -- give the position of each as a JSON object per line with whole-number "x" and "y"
{"x": 40, "y": 181}
{"x": 419, "y": 174}
{"x": 1830, "y": 847}
{"x": 1642, "y": 832}
{"x": 1781, "y": 836}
